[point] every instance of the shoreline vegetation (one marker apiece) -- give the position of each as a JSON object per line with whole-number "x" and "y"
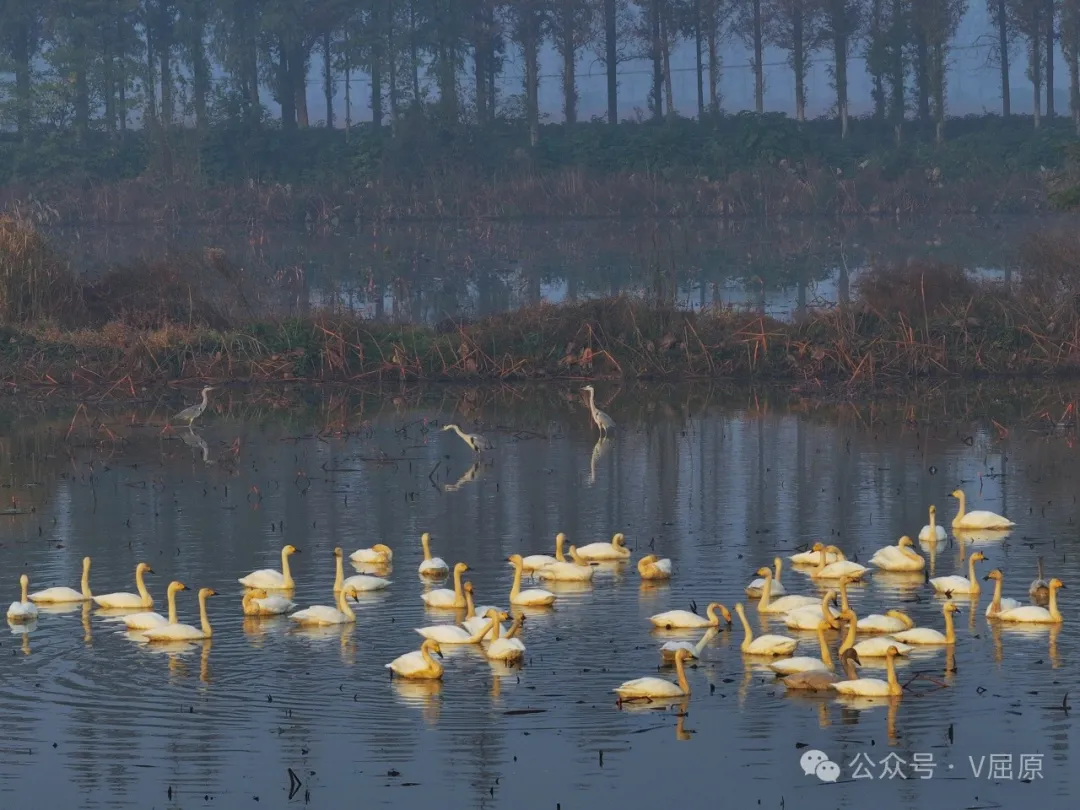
{"x": 156, "y": 323}
{"x": 730, "y": 166}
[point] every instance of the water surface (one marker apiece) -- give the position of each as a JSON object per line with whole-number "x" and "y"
{"x": 720, "y": 484}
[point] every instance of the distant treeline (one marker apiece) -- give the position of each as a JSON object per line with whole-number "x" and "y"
{"x": 106, "y": 66}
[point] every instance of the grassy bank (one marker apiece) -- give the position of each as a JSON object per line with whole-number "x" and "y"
{"x": 728, "y": 166}
{"x": 202, "y": 318}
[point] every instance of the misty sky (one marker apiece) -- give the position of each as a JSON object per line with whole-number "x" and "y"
{"x": 973, "y": 86}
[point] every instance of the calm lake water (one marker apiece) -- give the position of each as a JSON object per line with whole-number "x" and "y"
{"x": 718, "y": 482}
{"x": 426, "y": 272}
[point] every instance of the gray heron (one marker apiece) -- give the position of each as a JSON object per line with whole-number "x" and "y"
{"x": 195, "y": 411}
{"x": 603, "y": 421}
{"x": 477, "y": 442}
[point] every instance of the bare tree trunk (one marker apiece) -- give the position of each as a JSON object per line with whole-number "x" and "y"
{"x": 298, "y": 68}
{"x": 922, "y": 73}
{"x": 799, "y": 58}
{"x": 1003, "y": 56}
{"x": 328, "y": 78}
{"x": 1074, "y": 89}
{"x": 714, "y": 69}
{"x": 611, "y": 56}
{"x": 666, "y": 45}
{"x": 840, "y": 60}
{"x": 759, "y": 67}
{"x": 656, "y": 52}
{"x": 699, "y": 73}
{"x": 347, "y": 77}
{"x": 531, "y": 47}
{"x": 1050, "y": 58}
{"x": 569, "y": 78}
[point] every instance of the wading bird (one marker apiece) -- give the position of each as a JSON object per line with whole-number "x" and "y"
{"x": 195, "y": 411}
{"x": 602, "y": 420}
{"x": 477, "y": 442}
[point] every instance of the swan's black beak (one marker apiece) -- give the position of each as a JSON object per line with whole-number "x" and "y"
{"x": 986, "y": 578}
{"x": 439, "y": 653}
{"x": 1061, "y": 587}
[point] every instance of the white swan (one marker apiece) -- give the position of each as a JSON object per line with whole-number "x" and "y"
{"x": 507, "y": 648}
{"x": 816, "y": 680}
{"x": 599, "y": 552}
{"x": 768, "y": 644}
{"x": 454, "y": 634}
{"x": 271, "y": 580}
{"x": 535, "y": 597}
{"x": 257, "y": 602}
{"x": 361, "y": 582}
{"x": 954, "y": 584}
{"x": 669, "y": 648}
{"x": 979, "y": 519}
{"x": 322, "y": 615}
{"x": 133, "y": 601}
{"x": 928, "y": 635}
{"x": 185, "y": 632}
{"x": 1033, "y": 614}
{"x": 534, "y": 561}
{"x": 871, "y": 647}
{"x": 931, "y": 532}
{"x": 808, "y": 618}
{"x": 998, "y": 604}
{"x": 567, "y": 571}
{"x": 475, "y": 616}
{"x": 753, "y": 590}
{"x": 875, "y": 687}
{"x": 1039, "y": 590}
{"x": 784, "y": 604}
{"x": 445, "y": 597}
{"x": 648, "y": 688}
{"x": 63, "y": 594}
{"x": 841, "y": 569}
{"x": 679, "y": 619}
{"x": 653, "y": 567}
{"x": 431, "y": 566}
{"x": 900, "y": 557}
{"x": 378, "y": 554}
{"x": 418, "y": 665}
{"x": 24, "y": 610}
{"x": 806, "y": 663}
{"x": 813, "y": 556}
{"x": 892, "y": 622}
{"x": 144, "y": 620}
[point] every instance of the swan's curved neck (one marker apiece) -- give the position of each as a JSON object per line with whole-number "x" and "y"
{"x": 849, "y": 639}
{"x": 286, "y": 574}
{"x": 824, "y": 559}
{"x": 427, "y": 546}
{"x": 171, "y": 598}
{"x": 961, "y": 510}
{"x": 843, "y": 596}
{"x": 470, "y": 607}
{"x": 515, "y": 589}
{"x": 432, "y": 664}
{"x": 975, "y": 587}
{"x": 894, "y": 685}
{"x": 710, "y": 614}
{"x": 339, "y": 574}
{"x": 459, "y": 593}
{"x": 748, "y": 640}
{"x": 850, "y": 673}
{"x": 86, "y": 579}
{"x": 558, "y": 548}
{"x": 492, "y": 627}
{"x": 779, "y": 568}
{"x": 680, "y": 675}
{"x": 343, "y": 603}
{"x": 995, "y": 603}
{"x": 140, "y": 586}
{"x": 826, "y": 659}
{"x": 203, "y": 618}
{"x": 1052, "y": 607}
{"x": 933, "y": 525}
{"x": 766, "y": 592}
{"x": 950, "y": 630}
{"x": 515, "y": 627}
{"x": 825, "y": 603}
{"x": 24, "y": 584}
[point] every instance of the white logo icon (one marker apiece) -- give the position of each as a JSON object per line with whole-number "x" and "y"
{"x": 817, "y": 763}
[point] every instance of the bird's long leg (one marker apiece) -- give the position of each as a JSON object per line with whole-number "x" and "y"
{"x": 166, "y": 429}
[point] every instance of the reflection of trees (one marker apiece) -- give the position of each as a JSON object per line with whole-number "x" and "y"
{"x": 431, "y": 271}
